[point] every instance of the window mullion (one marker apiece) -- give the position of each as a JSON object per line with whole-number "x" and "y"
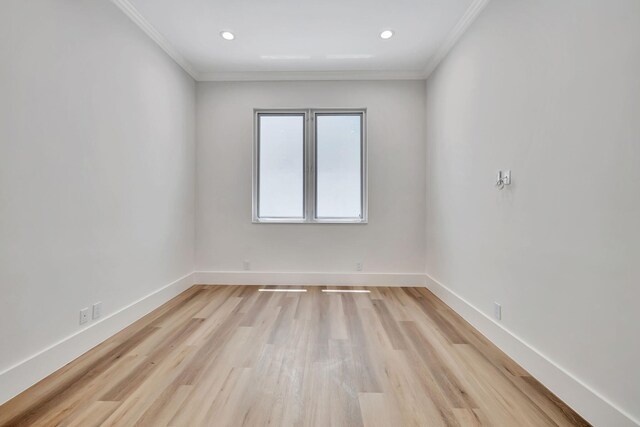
{"x": 309, "y": 178}
{"x": 314, "y": 168}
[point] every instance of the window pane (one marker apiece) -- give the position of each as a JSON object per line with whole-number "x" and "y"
{"x": 281, "y": 167}
{"x": 338, "y": 151}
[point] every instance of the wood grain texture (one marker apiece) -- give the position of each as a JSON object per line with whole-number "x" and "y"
{"x": 233, "y": 356}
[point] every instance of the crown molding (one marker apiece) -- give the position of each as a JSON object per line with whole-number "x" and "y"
{"x": 452, "y": 38}
{"x": 128, "y": 9}
{"x": 247, "y": 76}
{"x": 456, "y": 33}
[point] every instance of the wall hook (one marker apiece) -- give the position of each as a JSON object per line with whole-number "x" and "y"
{"x": 504, "y": 178}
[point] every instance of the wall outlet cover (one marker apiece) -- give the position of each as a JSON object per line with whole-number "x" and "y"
{"x": 84, "y": 315}
{"x": 97, "y": 310}
{"x": 497, "y": 311}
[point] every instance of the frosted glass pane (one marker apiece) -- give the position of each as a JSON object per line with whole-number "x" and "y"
{"x": 338, "y": 154}
{"x": 281, "y": 166}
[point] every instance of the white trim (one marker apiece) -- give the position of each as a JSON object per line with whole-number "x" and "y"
{"x": 128, "y": 9}
{"x": 594, "y": 407}
{"x": 257, "y": 76}
{"x": 463, "y": 24}
{"x": 456, "y": 33}
{"x": 590, "y": 404}
{"x": 26, "y": 373}
{"x": 307, "y": 279}
{"x": 310, "y": 174}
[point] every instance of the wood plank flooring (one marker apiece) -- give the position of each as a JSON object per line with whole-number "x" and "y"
{"x": 233, "y": 356}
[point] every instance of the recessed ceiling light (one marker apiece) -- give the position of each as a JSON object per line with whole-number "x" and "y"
{"x": 386, "y": 34}
{"x": 227, "y": 35}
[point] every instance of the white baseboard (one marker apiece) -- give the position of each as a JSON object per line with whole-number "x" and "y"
{"x": 594, "y": 407}
{"x": 590, "y": 404}
{"x": 26, "y": 373}
{"x": 307, "y": 279}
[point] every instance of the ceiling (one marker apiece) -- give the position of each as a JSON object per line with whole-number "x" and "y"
{"x": 297, "y": 39}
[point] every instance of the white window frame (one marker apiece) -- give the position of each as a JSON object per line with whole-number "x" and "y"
{"x": 310, "y": 172}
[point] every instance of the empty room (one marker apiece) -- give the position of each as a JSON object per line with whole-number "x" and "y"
{"x": 320, "y": 213}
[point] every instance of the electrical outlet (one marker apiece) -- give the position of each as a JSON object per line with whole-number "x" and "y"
{"x": 84, "y": 315}
{"x": 359, "y": 266}
{"x": 246, "y": 265}
{"x": 97, "y": 310}
{"x": 497, "y": 311}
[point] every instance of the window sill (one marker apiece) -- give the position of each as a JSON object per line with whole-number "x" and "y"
{"x": 303, "y": 221}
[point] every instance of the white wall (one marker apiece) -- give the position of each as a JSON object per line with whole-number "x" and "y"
{"x": 97, "y": 169}
{"x": 550, "y": 90}
{"x": 392, "y": 242}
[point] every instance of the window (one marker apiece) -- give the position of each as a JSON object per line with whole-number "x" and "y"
{"x": 310, "y": 166}
{"x": 281, "y": 168}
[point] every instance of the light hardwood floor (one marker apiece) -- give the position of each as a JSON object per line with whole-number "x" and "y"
{"x": 232, "y": 356}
